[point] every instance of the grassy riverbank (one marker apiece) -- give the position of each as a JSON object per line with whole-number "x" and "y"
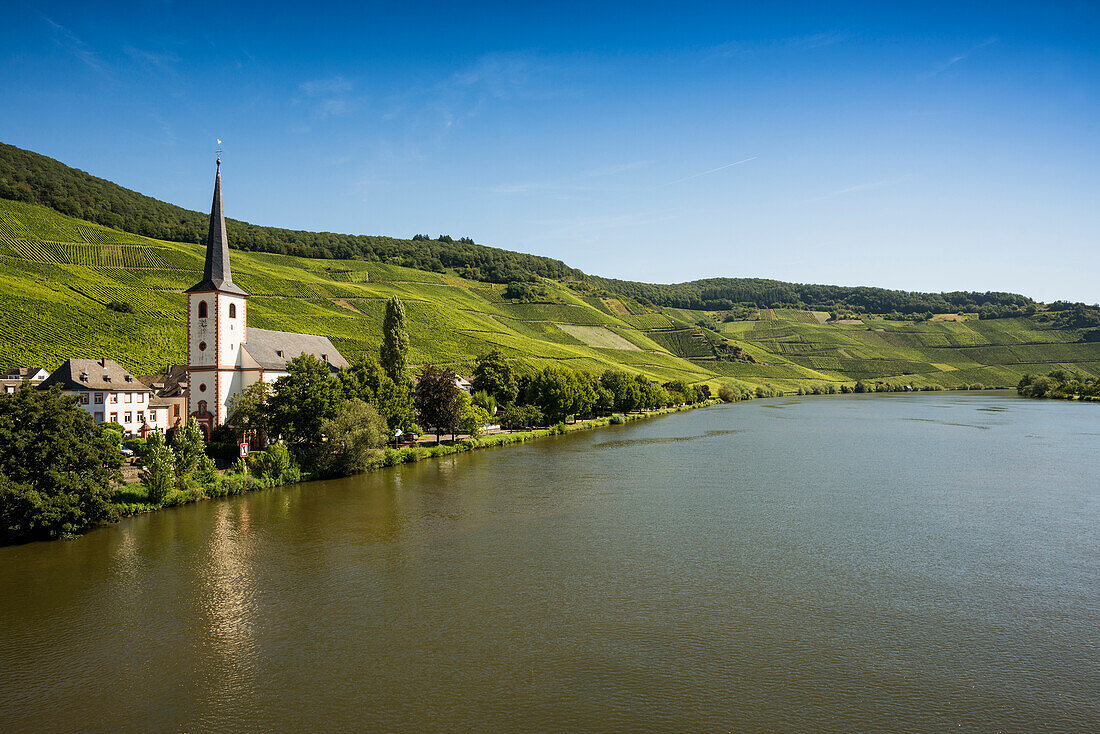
{"x": 132, "y": 499}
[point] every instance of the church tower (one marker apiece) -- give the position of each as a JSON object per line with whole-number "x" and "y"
{"x": 216, "y": 326}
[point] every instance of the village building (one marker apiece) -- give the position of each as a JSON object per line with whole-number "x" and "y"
{"x": 14, "y": 378}
{"x": 170, "y": 392}
{"x": 110, "y": 394}
{"x": 225, "y": 355}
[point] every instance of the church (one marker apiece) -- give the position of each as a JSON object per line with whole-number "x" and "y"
{"x": 225, "y": 355}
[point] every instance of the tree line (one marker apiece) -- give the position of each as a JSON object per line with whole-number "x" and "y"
{"x": 1059, "y": 385}
{"x": 725, "y": 294}
{"x": 29, "y": 177}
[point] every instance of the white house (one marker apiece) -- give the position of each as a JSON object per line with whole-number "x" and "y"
{"x": 13, "y": 379}
{"x": 224, "y": 355}
{"x": 110, "y": 394}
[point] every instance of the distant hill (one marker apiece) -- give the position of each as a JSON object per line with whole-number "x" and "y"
{"x": 34, "y": 178}
{"x": 29, "y": 177}
{"x": 59, "y": 276}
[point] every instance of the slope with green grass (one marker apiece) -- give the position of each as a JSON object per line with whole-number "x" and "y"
{"x": 58, "y": 273}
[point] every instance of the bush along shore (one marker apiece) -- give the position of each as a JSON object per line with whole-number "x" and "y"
{"x": 1059, "y": 385}
{"x": 273, "y": 467}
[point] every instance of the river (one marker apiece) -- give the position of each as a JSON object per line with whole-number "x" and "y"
{"x": 834, "y": 564}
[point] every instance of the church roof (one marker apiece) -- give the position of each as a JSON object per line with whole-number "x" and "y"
{"x": 93, "y": 374}
{"x": 272, "y": 349}
{"x": 216, "y": 275}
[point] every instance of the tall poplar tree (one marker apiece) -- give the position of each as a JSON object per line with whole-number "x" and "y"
{"x": 395, "y": 343}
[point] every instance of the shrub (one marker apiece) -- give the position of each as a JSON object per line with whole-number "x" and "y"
{"x": 120, "y": 306}
{"x": 726, "y": 394}
{"x": 159, "y": 472}
{"x": 351, "y": 439}
{"x": 520, "y": 416}
{"x": 617, "y": 420}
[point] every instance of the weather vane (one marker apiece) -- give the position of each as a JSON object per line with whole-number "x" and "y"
{"x": 219, "y": 150}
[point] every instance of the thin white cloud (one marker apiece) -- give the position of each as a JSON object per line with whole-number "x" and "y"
{"x": 325, "y": 87}
{"x": 713, "y": 170}
{"x": 326, "y": 97}
{"x": 940, "y": 68}
{"x": 570, "y": 184}
{"x": 809, "y": 42}
{"x": 869, "y": 186}
{"x": 68, "y": 40}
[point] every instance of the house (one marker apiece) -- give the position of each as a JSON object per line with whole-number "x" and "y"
{"x": 224, "y": 356}
{"x": 170, "y": 393}
{"x": 13, "y": 379}
{"x": 109, "y": 393}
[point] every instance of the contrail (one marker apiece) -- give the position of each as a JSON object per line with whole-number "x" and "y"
{"x": 713, "y": 170}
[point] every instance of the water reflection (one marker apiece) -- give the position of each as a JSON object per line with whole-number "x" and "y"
{"x": 857, "y": 565}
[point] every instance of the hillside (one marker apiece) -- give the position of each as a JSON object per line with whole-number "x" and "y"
{"x": 58, "y": 273}
{"x": 32, "y": 178}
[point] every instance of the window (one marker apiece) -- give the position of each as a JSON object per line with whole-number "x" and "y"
{"x": 127, "y": 417}
{"x": 114, "y": 417}
{"x": 99, "y": 417}
{"x": 232, "y": 310}
{"x": 114, "y": 397}
{"x": 202, "y": 309}
{"x": 202, "y": 387}
{"x": 176, "y": 410}
{"x": 84, "y": 398}
{"x": 141, "y": 416}
{"x": 99, "y": 398}
{"x": 202, "y": 346}
{"x": 152, "y": 416}
{"x": 141, "y": 397}
{"x": 129, "y": 397}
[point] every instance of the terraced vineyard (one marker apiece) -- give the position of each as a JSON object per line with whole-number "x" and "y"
{"x": 57, "y": 274}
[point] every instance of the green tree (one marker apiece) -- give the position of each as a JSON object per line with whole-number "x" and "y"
{"x": 248, "y": 410}
{"x": 624, "y": 389}
{"x": 351, "y": 438}
{"x": 159, "y": 471}
{"x": 274, "y": 464}
{"x": 187, "y": 445}
{"x": 726, "y": 394}
{"x": 494, "y": 375}
{"x": 559, "y": 392}
{"x": 473, "y": 419}
{"x": 517, "y": 416}
{"x": 301, "y": 402}
{"x": 365, "y": 380}
{"x": 438, "y": 400}
{"x": 485, "y": 401}
{"x": 56, "y": 467}
{"x": 605, "y": 400}
{"x": 649, "y": 395}
{"x": 394, "y": 352}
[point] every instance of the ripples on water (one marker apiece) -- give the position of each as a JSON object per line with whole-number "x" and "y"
{"x": 855, "y": 563}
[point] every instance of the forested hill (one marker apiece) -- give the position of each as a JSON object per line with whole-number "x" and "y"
{"x": 33, "y": 178}
{"x": 720, "y": 294}
{"x": 29, "y": 177}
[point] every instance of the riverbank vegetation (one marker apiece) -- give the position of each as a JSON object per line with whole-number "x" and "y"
{"x": 1060, "y": 385}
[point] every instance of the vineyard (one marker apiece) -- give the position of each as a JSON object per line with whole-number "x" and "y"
{"x": 57, "y": 275}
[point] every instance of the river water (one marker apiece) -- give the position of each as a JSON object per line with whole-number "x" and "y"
{"x": 835, "y": 564}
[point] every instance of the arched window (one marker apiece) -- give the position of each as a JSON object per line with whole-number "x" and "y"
{"x": 232, "y": 310}
{"x": 202, "y": 309}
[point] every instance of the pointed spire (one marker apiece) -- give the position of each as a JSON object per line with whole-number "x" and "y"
{"x": 216, "y": 276}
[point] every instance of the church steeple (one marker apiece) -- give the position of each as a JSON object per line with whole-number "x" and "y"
{"x": 216, "y": 274}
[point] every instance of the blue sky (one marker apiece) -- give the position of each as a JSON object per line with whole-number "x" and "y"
{"x": 924, "y": 146}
